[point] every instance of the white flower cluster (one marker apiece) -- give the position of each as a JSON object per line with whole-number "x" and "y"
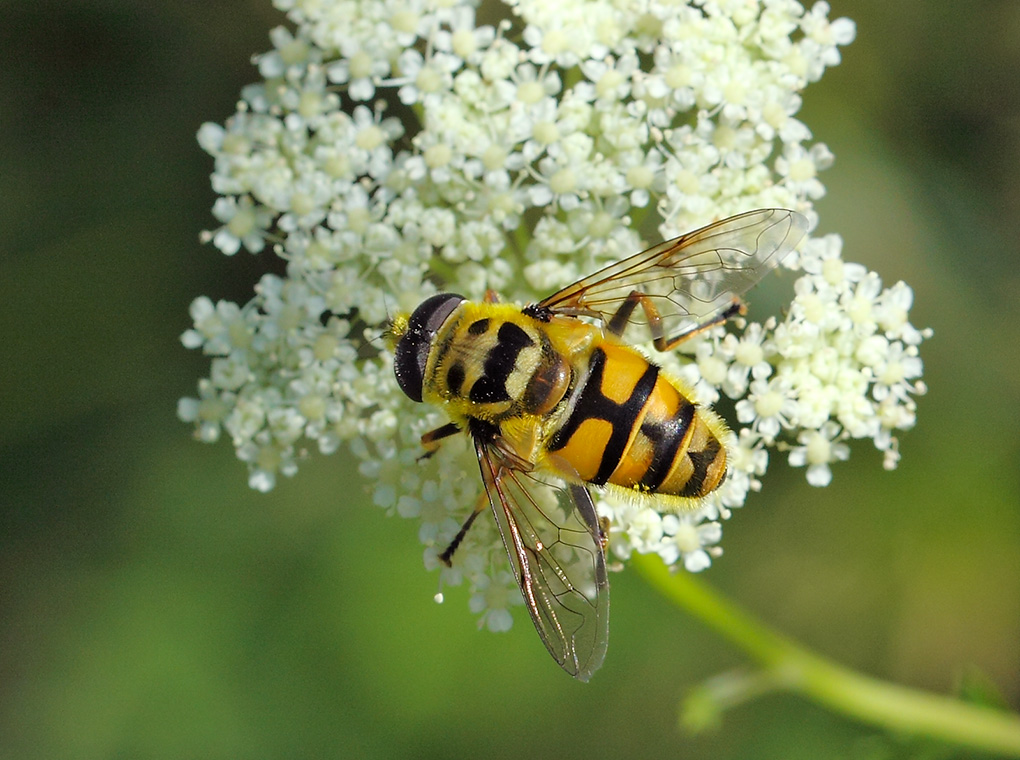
{"x": 396, "y": 147}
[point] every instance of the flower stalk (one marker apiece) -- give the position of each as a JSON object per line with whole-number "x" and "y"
{"x": 791, "y": 667}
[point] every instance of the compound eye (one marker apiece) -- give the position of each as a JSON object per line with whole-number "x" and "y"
{"x": 412, "y": 352}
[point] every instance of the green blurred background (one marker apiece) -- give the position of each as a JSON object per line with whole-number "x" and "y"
{"x": 153, "y": 607}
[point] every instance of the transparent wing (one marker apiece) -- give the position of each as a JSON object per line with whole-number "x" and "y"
{"x": 552, "y": 536}
{"x": 692, "y": 276}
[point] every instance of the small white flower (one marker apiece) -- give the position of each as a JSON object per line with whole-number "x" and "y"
{"x": 748, "y": 461}
{"x": 891, "y": 311}
{"x": 822, "y": 38}
{"x": 800, "y": 168}
{"x": 492, "y": 600}
{"x": 463, "y": 39}
{"x": 290, "y": 56}
{"x": 818, "y": 449}
{"x": 244, "y": 223}
{"x": 750, "y": 354}
{"x": 895, "y": 371}
{"x": 219, "y": 329}
{"x": 771, "y": 407}
{"x": 608, "y": 79}
{"x": 632, "y": 528}
{"x": 689, "y": 540}
{"x": 206, "y": 412}
{"x": 423, "y": 78}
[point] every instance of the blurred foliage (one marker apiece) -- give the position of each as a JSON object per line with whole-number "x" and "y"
{"x": 151, "y": 606}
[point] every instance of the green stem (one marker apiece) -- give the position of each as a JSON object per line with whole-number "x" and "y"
{"x": 879, "y": 703}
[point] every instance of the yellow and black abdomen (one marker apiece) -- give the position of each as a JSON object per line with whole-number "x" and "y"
{"x": 628, "y": 425}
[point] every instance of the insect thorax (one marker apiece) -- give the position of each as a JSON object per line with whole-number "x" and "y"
{"x": 492, "y": 361}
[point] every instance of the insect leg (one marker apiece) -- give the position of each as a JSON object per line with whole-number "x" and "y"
{"x": 489, "y": 481}
{"x": 622, "y": 316}
{"x": 661, "y": 343}
{"x": 447, "y": 556}
{"x": 491, "y": 473}
{"x": 432, "y": 439}
{"x": 619, "y": 320}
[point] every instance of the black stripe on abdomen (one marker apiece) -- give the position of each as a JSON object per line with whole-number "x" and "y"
{"x": 667, "y": 437}
{"x": 592, "y": 404}
{"x": 701, "y": 461}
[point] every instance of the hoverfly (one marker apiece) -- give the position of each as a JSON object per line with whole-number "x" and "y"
{"x": 555, "y": 404}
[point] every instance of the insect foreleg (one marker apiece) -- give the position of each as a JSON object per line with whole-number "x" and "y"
{"x": 447, "y": 556}
{"x": 432, "y": 439}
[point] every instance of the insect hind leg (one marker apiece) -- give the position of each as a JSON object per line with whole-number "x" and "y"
{"x": 618, "y": 323}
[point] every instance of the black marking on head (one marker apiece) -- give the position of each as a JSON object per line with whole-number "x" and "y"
{"x": 592, "y": 404}
{"x": 701, "y": 461}
{"x": 455, "y": 378}
{"x": 512, "y": 337}
{"x": 412, "y": 351}
{"x": 479, "y": 327}
{"x": 667, "y": 437}
{"x": 490, "y": 388}
{"x": 488, "y": 391}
